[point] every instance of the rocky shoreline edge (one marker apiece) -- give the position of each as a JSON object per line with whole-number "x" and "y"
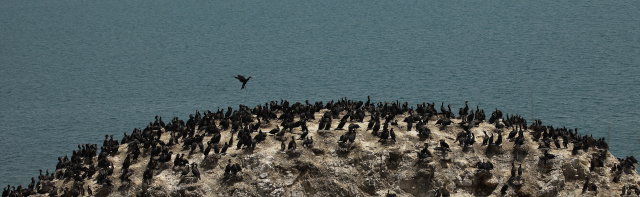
{"x": 342, "y": 148}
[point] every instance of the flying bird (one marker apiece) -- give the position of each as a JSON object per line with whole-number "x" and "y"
{"x": 243, "y": 80}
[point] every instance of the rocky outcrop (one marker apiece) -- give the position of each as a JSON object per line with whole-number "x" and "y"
{"x": 371, "y": 167}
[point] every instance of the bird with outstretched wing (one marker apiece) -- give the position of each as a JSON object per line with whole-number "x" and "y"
{"x": 243, "y": 80}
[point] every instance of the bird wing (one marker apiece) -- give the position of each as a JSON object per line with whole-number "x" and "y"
{"x": 240, "y": 77}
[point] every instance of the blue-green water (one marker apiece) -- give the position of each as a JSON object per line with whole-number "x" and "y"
{"x": 72, "y": 71}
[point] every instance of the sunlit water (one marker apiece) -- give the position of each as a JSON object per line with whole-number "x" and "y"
{"x": 73, "y": 71}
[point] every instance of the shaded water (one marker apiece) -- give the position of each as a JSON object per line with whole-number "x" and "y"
{"x": 73, "y": 71}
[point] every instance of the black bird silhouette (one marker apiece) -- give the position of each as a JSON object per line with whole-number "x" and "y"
{"x": 585, "y": 186}
{"x": 243, "y": 80}
{"x": 520, "y": 170}
{"x": 224, "y": 148}
{"x": 195, "y": 171}
{"x": 444, "y": 145}
{"x": 292, "y": 144}
{"x": 503, "y": 190}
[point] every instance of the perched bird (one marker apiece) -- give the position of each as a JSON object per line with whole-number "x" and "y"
{"x": 520, "y": 170}
{"x": 308, "y": 142}
{"x": 186, "y": 170}
{"x": 243, "y": 80}
{"x": 547, "y": 156}
{"x": 224, "y": 148}
{"x": 485, "y": 141}
{"x": 499, "y": 140}
{"x": 444, "y": 145}
{"x": 303, "y": 135}
{"x": 216, "y": 149}
{"x": 292, "y": 144}
{"x": 512, "y": 134}
{"x": 195, "y": 171}
{"x": 503, "y": 190}
{"x": 585, "y": 186}
{"x": 274, "y": 130}
{"x": 393, "y": 135}
{"x": 208, "y": 149}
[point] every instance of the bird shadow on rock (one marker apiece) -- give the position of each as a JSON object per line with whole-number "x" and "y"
{"x": 424, "y": 163}
{"x": 248, "y": 150}
{"x": 482, "y": 186}
{"x": 210, "y": 162}
{"x": 519, "y": 152}
{"x": 516, "y": 182}
{"x": 443, "y": 159}
{"x": 232, "y": 179}
{"x": 444, "y": 163}
{"x": 344, "y": 148}
{"x": 421, "y": 183}
{"x": 394, "y": 159}
{"x": 188, "y": 180}
{"x": 125, "y": 187}
{"x": 104, "y": 191}
{"x": 163, "y": 166}
{"x": 493, "y": 150}
{"x": 293, "y": 154}
{"x": 152, "y": 191}
{"x": 317, "y": 151}
{"x": 325, "y": 133}
{"x": 387, "y": 142}
{"x": 306, "y": 168}
{"x": 468, "y": 149}
{"x": 545, "y": 167}
{"x": 281, "y": 138}
{"x": 188, "y": 191}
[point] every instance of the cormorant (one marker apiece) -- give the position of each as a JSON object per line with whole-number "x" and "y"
{"x": 195, "y": 171}
{"x": 503, "y": 190}
{"x": 292, "y": 144}
{"x": 224, "y": 148}
{"x": 444, "y": 145}
{"x": 585, "y": 186}
{"x": 499, "y": 140}
{"x": 392, "y": 134}
{"x": 513, "y": 170}
{"x": 243, "y": 80}
{"x": 186, "y": 170}
{"x": 274, "y": 130}
{"x": 520, "y": 170}
{"x": 303, "y": 135}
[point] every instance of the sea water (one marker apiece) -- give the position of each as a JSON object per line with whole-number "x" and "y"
{"x": 72, "y": 71}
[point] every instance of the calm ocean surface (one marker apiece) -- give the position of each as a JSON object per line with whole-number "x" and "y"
{"x": 73, "y": 71}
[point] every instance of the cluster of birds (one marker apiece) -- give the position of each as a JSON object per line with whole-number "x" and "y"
{"x": 245, "y": 125}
